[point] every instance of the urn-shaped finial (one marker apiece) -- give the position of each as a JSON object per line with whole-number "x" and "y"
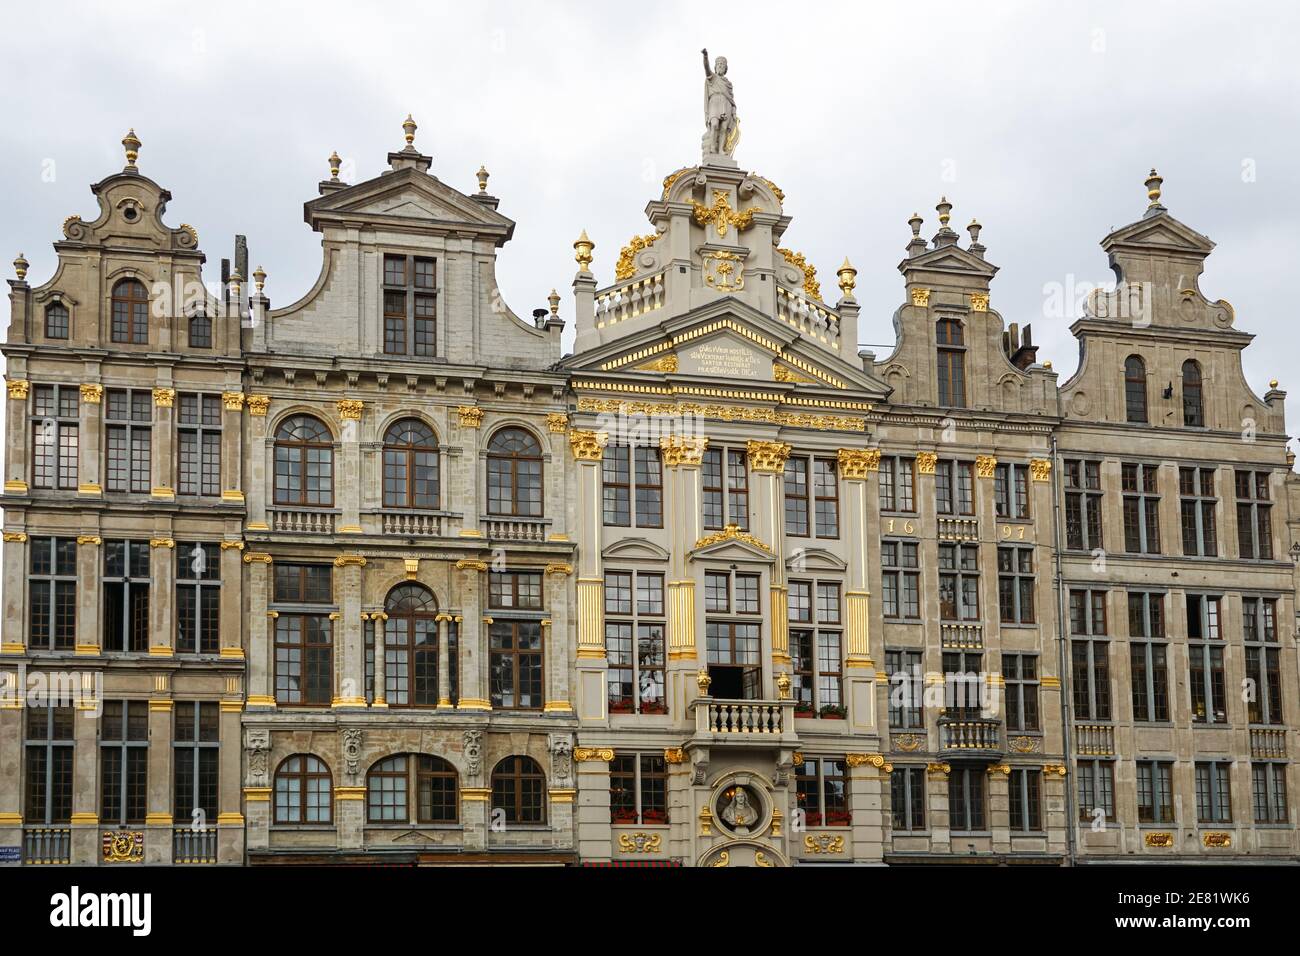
{"x": 582, "y": 251}
{"x": 945, "y": 211}
{"x": 20, "y": 267}
{"x": 409, "y": 128}
{"x": 482, "y": 175}
{"x": 848, "y": 277}
{"x": 131, "y": 143}
{"x": 259, "y": 279}
{"x": 1153, "y": 184}
{"x": 335, "y": 163}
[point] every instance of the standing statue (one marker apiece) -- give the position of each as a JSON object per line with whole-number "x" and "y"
{"x": 722, "y": 127}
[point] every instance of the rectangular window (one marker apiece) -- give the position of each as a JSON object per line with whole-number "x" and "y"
{"x": 1263, "y": 660}
{"x": 1197, "y": 501}
{"x": 634, "y": 642}
{"x": 1254, "y": 516}
{"x": 198, "y": 598}
{"x": 304, "y": 659}
{"x": 632, "y": 475}
{"x": 1205, "y": 651}
{"x": 954, "y": 487}
{"x": 199, "y": 445}
{"x": 726, "y": 494}
{"x": 959, "y": 582}
{"x": 1141, "y": 508}
{"x": 1213, "y": 792}
{"x": 515, "y": 664}
{"x": 951, "y": 358}
{"x": 1155, "y": 791}
{"x": 900, "y": 580}
{"x": 515, "y": 590}
{"x": 822, "y": 792}
{"x": 52, "y": 593}
{"x": 1011, "y": 491}
{"x": 1089, "y": 655}
{"x": 1026, "y": 800}
{"x": 126, "y": 596}
{"x": 1083, "y": 527}
{"x": 1020, "y": 674}
{"x": 196, "y": 759}
{"x": 816, "y": 644}
{"x": 55, "y": 415}
{"x": 897, "y": 480}
{"x": 123, "y": 762}
{"x": 1096, "y": 789}
{"x": 1016, "y": 585}
{"x": 48, "y": 754}
{"x": 1268, "y": 784}
{"x": 811, "y": 498}
{"x": 303, "y": 584}
{"x": 963, "y": 684}
{"x": 1148, "y": 657}
{"x": 906, "y": 689}
{"x": 410, "y": 305}
{"x": 638, "y": 790}
{"x": 907, "y": 799}
{"x": 733, "y": 644}
{"x": 967, "y": 801}
{"x": 128, "y": 432}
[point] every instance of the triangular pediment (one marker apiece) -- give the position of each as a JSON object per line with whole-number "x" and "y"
{"x": 407, "y": 198}
{"x": 728, "y": 342}
{"x": 732, "y": 544}
{"x": 953, "y": 260}
{"x": 1163, "y": 232}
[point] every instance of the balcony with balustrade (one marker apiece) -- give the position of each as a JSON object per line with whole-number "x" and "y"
{"x": 194, "y": 846}
{"x": 970, "y": 738}
{"x": 47, "y": 846}
{"x": 745, "y": 723}
{"x": 499, "y": 528}
{"x": 295, "y": 520}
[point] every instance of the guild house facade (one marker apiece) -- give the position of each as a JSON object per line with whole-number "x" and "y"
{"x": 384, "y": 576}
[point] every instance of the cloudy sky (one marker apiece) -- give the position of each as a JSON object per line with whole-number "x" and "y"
{"x": 1039, "y": 119}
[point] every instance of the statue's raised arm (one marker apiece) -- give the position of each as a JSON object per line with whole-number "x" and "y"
{"x": 707, "y": 70}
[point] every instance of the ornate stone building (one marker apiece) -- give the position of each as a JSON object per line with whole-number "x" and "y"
{"x": 382, "y": 576}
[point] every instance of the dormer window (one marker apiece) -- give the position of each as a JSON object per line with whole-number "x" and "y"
{"x": 200, "y": 331}
{"x": 952, "y": 363}
{"x": 56, "y": 321}
{"x": 1193, "y": 405}
{"x": 410, "y": 311}
{"x": 1135, "y": 390}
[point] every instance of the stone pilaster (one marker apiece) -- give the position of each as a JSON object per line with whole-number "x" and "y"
{"x": 855, "y": 466}
{"x": 90, "y": 427}
{"x": 162, "y": 616}
{"x": 475, "y": 804}
{"x": 444, "y": 674}
{"x": 466, "y": 489}
{"x": 15, "y": 563}
{"x": 588, "y": 452}
{"x": 349, "y": 654}
{"x": 11, "y": 768}
{"x": 595, "y": 837}
{"x": 230, "y": 817}
{"x": 350, "y": 816}
{"x": 17, "y": 441}
{"x": 999, "y": 807}
{"x": 85, "y": 800}
{"x": 232, "y": 457}
{"x": 232, "y": 600}
{"x": 473, "y": 642}
{"x": 683, "y": 516}
{"x": 261, "y": 645}
{"x": 559, "y": 695}
{"x": 767, "y": 468}
{"x": 936, "y": 784}
{"x": 869, "y": 805}
{"x": 347, "y": 482}
{"x": 258, "y": 458}
{"x": 163, "y": 443}
{"x": 159, "y": 818}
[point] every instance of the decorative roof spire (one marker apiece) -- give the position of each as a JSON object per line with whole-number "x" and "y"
{"x": 482, "y": 175}
{"x": 20, "y": 267}
{"x": 335, "y": 164}
{"x": 409, "y": 128}
{"x": 1153, "y": 190}
{"x": 848, "y": 278}
{"x": 131, "y": 143}
{"x": 582, "y": 252}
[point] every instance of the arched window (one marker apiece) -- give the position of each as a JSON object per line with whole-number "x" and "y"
{"x": 56, "y": 321}
{"x": 130, "y": 312}
{"x": 391, "y": 781}
{"x": 514, "y": 462}
{"x": 1193, "y": 406}
{"x": 411, "y": 647}
{"x": 302, "y": 791}
{"x": 304, "y": 463}
{"x": 1135, "y": 389}
{"x": 952, "y": 363}
{"x": 410, "y": 465}
{"x": 519, "y": 789}
{"x": 200, "y": 331}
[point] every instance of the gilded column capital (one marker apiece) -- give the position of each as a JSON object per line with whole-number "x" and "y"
{"x": 1054, "y": 768}
{"x": 557, "y": 423}
{"x": 234, "y": 401}
{"x": 1040, "y": 469}
{"x": 674, "y": 755}
{"x": 876, "y": 760}
{"x": 261, "y": 556}
{"x": 258, "y": 405}
{"x": 979, "y": 301}
{"x": 18, "y": 388}
{"x": 938, "y": 769}
{"x": 350, "y": 561}
{"x": 350, "y": 409}
{"x": 680, "y": 450}
{"x": 857, "y": 463}
{"x": 469, "y": 564}
{"x": 471, "y": 416}
{"x": 168, "y": 543}
{"x": 92, "y": 393}
{"x": 588, "y": 446}
{"x": 926, "y": 462}
{"x": 559, "y": 568}
{"x": 91, "y": 539}
{"x": 164, "y": 397}
{"x": 15, "y": 536}
{"x": 986, "y": 466}
{"x": 921, "y": 297}
{"x": 767, "y": 456}
{"x": 593, "y": 754}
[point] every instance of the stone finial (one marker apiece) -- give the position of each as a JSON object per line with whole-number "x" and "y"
{"x": 1048, "y": 365}
{"x": 482, "y": 175}
{"x": 554, "y": 300}
{"x": 131, "y": 143}
{"x": 848, "y": 277}
{"x": 259, "y": 279}
{"x": 335, "y": 162}
{"x": 1272, "y": 383}
{"x": 582, "y": 252}
{"x": 944, "y": 209}
{"x": 236, "y": 283}
{"x": 916, "y": 222}
{"x": 974, "y": 230}
{"x": 20, "y": 267}
{"x": 409, "y": 128}
{"x": 1153, "y": 189}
